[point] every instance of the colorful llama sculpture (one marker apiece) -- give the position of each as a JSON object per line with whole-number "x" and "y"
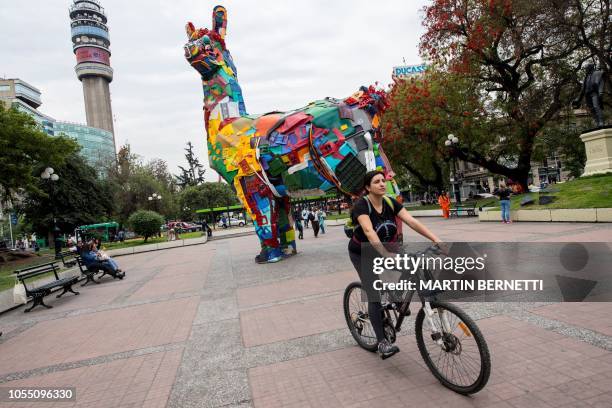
{"x": 270, "y": 158}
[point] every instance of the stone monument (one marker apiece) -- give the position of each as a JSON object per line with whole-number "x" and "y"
{"x": 597, "y": 141}
{"x": 598, "y": 146}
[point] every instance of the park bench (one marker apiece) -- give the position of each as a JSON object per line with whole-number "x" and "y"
{"x": 468, "y": 209}
{"x": 38, "y": 293}
{"x": 68, "y": 258}
{"x": 89, "y": 274}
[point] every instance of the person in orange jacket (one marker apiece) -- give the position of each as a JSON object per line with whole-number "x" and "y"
{"x": 444, "y": 201}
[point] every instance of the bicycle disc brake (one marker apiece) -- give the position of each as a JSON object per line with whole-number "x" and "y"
{"x": 389, "y": 331}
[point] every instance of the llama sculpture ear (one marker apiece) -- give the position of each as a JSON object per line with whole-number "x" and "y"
{"x": 219, "y": 20}
{"x": 190, "y": 29}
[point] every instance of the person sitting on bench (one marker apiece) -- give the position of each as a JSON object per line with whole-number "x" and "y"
{"x": 95, "y": 259}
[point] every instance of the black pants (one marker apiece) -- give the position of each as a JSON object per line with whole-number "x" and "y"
{"x": 364, "y": 266}
{"x": 315, "y": 227}
{"x": 299, "y": 228}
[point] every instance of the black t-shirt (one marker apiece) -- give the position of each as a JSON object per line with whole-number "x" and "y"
{"x": 503, "y": 193}
{"x": 384, "y": 223}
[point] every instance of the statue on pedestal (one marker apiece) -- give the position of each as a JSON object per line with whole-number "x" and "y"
{"x": 592, "y": 90}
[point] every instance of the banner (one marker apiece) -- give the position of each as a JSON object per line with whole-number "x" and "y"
{"x": 92, "y": 54}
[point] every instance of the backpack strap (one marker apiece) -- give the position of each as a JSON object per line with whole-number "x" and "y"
{"x": 365, "y": 197}
{"x": 387, "y": 199}
{"x": 390, "y": 202}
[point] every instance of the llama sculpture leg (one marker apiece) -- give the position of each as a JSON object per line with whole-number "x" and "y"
{"x": 285, "y": 226}
{"x": 259, "y": 201}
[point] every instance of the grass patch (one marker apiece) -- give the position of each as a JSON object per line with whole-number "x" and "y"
{"x": 585, "y": 192}
{"x": 155, "y": 240}
{"x": 337, "y": 216}
{"x": 485, "y": 202}
{"x": 7, "y": 278}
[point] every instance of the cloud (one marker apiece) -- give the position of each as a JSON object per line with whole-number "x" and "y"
{"x": 287, "y": 54}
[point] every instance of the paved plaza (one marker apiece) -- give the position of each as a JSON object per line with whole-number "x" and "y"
{"x": 204, "y": 326}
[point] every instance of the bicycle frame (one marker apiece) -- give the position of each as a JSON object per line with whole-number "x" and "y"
{"x": 404, "y": 310}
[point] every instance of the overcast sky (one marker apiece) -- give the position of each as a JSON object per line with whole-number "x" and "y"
{"x": 286, "y": 53}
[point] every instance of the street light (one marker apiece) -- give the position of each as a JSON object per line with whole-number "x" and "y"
{"x": 50, "y": 175}
{"x": 154, "y": 198}
{"x": 451, "y": 142}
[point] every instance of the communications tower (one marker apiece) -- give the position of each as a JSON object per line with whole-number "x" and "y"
{"x": 91, "y": 45}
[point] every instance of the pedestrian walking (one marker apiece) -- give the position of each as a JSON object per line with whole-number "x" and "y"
{"x": 297, "y": 218}
{"x": 314, "y": 221}
{"x": 321, "y": 217}
{"x": 305, "y": 213}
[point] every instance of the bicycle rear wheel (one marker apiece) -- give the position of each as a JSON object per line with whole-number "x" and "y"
{"x": 357, "y": 318}
{"x": 463, "y": 362}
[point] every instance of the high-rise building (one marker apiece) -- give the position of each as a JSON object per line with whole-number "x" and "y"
{"x": 97, "y": 145}
{"x": 91, "y": 45}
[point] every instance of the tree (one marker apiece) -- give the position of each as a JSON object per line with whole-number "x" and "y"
{"x": 77, "y": 198}
{"x": 24, "y": 147}
{"x": 207, "y": 195}
{"x": 132, "y": 183}
{"x": 588, "y": 23}
{"x": 518, "y": 59}
{"x": 422, "y": 112}
{"x": 194, "y": 173}
{"x": 146, "y": 223}
{"x": 158, "y": 168}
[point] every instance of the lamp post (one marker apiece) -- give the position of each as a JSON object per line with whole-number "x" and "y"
{"x": 451, "y": 142}
{"x": 51, "y": 176}
{"x": 154, "y": 199}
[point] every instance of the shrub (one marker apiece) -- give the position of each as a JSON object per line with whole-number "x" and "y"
{"x": 146, "y": 223}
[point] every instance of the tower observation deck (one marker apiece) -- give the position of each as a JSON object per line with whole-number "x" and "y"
{"x": 91, "y": 45}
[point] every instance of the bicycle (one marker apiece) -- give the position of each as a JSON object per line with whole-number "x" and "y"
{"x": 452, "y": 333}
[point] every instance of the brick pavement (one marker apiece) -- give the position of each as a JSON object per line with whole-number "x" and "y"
{"x": 571, "y": 371}
{"x": 204, "y": 326}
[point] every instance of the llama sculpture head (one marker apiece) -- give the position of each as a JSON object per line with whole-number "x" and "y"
{"x": 205, "y": 49}
{"x": 206, "y": 52}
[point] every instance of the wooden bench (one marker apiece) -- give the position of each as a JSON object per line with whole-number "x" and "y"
{"x": 38, "y": 293}
{"x": 468, "y": 210}
{"x": 68, "y": 258}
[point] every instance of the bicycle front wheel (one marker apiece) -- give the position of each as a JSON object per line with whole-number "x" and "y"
{"x": 357, "y": 318}
{"x": 462, "y": 362}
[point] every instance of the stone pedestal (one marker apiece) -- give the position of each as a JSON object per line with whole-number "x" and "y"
{"x": 598, "y": 146}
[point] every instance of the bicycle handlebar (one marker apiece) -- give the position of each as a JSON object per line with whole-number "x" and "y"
{"x": 433, "y": 249}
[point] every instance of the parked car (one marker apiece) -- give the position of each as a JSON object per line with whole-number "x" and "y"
{"x": 232, "y": 222}
{"x": 181, "y": 226}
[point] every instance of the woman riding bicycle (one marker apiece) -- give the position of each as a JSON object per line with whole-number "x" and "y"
{"x": 374, "y": 216}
